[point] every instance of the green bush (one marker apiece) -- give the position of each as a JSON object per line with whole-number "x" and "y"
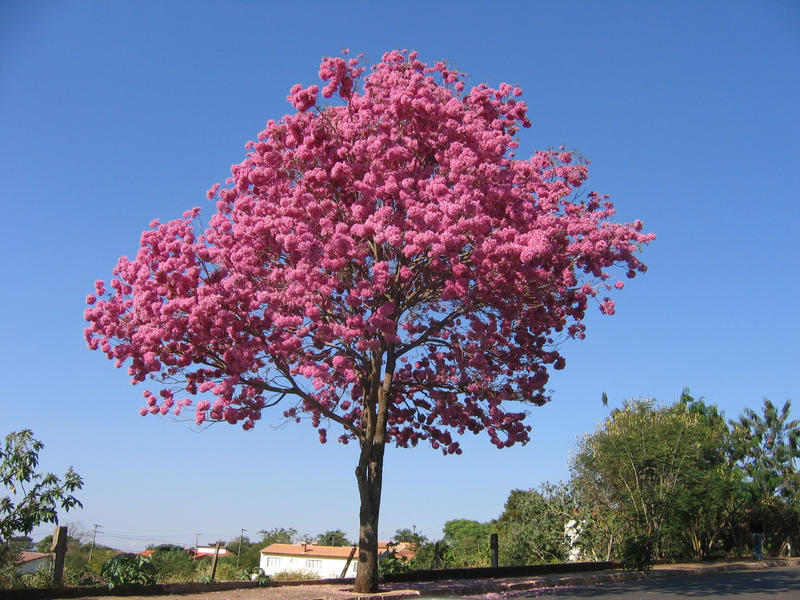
{"x": 257, "y": 574}
{"x": 295, "y": 575}
{"x": 226, "y": 571}
{"x": 392, "y": 564}
{"x": 79, "y": 577}
{"x": 41, "y": 578}
{"x": 637, "y": 553}
{"x": 173, "y": 564}
{"x": 129, "y": 569}
{"x": 9, "y": 578}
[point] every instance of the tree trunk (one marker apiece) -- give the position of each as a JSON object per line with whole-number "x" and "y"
{"x": 369, "y": 475}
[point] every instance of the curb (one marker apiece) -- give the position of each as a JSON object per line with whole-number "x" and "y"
{"x": 519, "y": 585}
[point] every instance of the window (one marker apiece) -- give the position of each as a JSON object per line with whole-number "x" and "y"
{"x": 273, "y": 561}
{"x": 313, "y": 564}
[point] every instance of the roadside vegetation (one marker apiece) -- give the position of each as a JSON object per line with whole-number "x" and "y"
{"x": 653, "y": 482}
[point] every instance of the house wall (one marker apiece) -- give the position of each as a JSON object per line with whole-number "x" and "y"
{"x": 210, "y": 550}
{"x": 325, "y": 568}
{"x": 32, "y": 565}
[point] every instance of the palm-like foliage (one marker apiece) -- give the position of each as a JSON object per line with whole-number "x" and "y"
{"x": 767, "y": 446}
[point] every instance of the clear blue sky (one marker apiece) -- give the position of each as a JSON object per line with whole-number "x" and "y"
{"x": 113, "y": 113}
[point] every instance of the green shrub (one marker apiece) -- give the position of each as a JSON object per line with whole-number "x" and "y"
{"x": 226, "y": 571}
{"x": 295, "y": 575}
{"x": 41, "y": 578}
{"x": 173, "y": 564}
{"x": 79, "y": 577}
{"x": 129, "y": 569}
{"x": 392, "y": 564}
{"x": 9, "y": 578}
{"x": 257, "y": 574}
{"x": 637, "y": 553}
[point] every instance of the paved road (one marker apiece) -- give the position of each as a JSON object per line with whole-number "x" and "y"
{"x": 766, "y": 584}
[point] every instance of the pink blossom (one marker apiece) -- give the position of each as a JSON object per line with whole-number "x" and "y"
{"x": 205, "y": 386}
{"x": 390, "y": 228}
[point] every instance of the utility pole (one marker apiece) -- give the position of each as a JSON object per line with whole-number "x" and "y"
{"x": 238, "y": 554}
{"x": 196, "y": 542}
{"x": 94, "y": 536}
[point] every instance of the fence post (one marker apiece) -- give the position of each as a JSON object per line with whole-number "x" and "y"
{"x": 214, "y": 562}
{"x": 59, "y": 548}
{"x": 493, "y": 544}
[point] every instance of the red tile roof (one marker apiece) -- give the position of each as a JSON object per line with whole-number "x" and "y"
{"x": 25, "y": 557}
{"x": 310, "y": 550}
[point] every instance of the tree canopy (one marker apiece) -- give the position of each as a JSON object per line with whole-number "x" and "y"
{"x": 685, "y": 482}
{"x": 334, "y": 537}
{"x": 531, "y": 526}
{"x": 381, "y": 262}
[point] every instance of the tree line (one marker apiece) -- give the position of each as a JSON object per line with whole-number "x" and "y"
{"x": 652, "y": 482}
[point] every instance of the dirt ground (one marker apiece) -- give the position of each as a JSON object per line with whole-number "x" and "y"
{"x": 467, "y": 587}
{"x": 298, "y": 592}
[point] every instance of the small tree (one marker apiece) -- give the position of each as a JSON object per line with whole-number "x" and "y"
{"x": 382, "y": 263}
{"x": 34, "y": 497}
{"x": 409, "y": 536}
{"x": 467, "y": 543}
{"x": 336, "y": 537}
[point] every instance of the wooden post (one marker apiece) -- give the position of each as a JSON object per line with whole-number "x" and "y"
{"x": 349, "y": 560}
{"x": 214, "y": 562}
{"x": 436, "y": 555}
{"x": 59, "y": 548}
{"x": 494, "y": 546}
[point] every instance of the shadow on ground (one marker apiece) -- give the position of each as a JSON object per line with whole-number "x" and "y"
{"x": 774, "y": 583}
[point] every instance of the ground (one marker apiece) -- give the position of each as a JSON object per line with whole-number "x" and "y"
{"x": 468, "y": 587}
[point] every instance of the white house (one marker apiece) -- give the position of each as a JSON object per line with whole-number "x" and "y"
{"x": 326, "y": 561}
{"x": 29, "y": 562}
{"x": 210, "y": 550}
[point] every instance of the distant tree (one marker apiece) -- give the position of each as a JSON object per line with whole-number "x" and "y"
{"x": 34, "y": 497}
{"x": 767, "y": 446}
{"x": 467, "y": 543}
{"x": 336, "y": 537}
{"x": 20, "y": 543}
{"x": 277, "y": 535}
{"x": 531, "y": 527}
{"x": 410, "y": 536}
{"x": 250, "y": 555}
{"x": 429, "y": 555}
{"x": 384, "y": 263}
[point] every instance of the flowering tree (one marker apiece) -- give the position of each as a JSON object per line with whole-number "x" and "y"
{"x": 379, "y": 262}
